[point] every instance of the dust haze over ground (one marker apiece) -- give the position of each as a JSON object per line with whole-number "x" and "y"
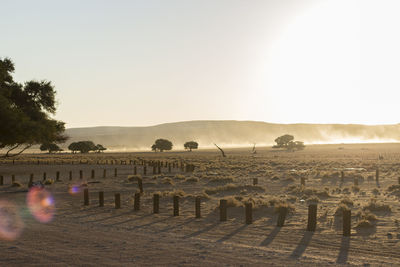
{"x": 232, "y": 134}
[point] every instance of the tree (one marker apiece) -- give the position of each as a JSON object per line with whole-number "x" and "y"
{"x": 82, "y": 146}
{"x": 191, "y": 145}
{"x": 25, "y": 111}
{"x": 100, "y": 148}
{"x": 283, "y": 141}
{"x": 161, "y": 145}
{"x": 51, "y": 147}
{"x": 286, "y": 141}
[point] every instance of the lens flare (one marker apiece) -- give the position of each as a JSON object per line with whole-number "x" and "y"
{"x": 74, "y": 189}
{"x": 40, "y": 204}
{"x": 10, "y": 222}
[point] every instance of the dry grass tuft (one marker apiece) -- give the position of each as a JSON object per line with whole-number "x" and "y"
{"x": 375, "y": 206}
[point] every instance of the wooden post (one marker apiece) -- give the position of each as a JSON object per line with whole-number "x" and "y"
{"x": 140, "y": 185}
{"x": 398, "y": 180}
{"x": 198, "y": 207}
{"x": 303, "y": 181}
{"x": 282, "y": 216}
{"x": 356, "y": 181}
{"x": 104, "y": 173}
{"x": 156, "y": 203}
{"x": 136, "y": 204}
{"x": 222, "y": 210}
{"x": 117, "y": 201}
{"x": 86, "y": 197}
{"x": 176, "y": 205}
{"x": 92, "y": 176}
{"x": 159, "y": 170}
{"x": 58, "y": 176}
{"x": 154, "y": 169}
{"x": 31, "y": 177}
{"x": 255, "y": 181}
{"x": 342, "y": 176}
{"x": 134, "y": 170}
{"x": 312, "y": 217}
{"x": 1, "y": 180}
{"x": 144, "y": 170}
{"x": 70, "y": 175}
{"x": 115, "y": 172}
{"x": 30, "y": 181}
{"x": 249, "y": 213}
{"x": 377, "y": 175}
{"x": 12, "y": 178}
{"x": 346, "y": 222}
{"x": 101, "y": 199}
{"x": 80, "y": 174}
{"x": 44, "y": 176}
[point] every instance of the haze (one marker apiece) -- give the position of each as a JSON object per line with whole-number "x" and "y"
{"x": 137, "y": 63}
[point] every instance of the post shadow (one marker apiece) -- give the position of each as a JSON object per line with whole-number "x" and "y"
{"x": 302, "y": 245}
{"x": 344, "y": 250}
{"x": 230, "y": 235}
{"x": 199, "y": 232}
{"x": 270, "y": 237}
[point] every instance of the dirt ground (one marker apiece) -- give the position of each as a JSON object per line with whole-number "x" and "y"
{"x": 92, "y": 235}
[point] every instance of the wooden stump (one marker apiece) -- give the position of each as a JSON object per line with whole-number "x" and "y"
{"x": 86, "y": 197}
{"x": 101, "y": 199}
{"x": 156, "y": 203}
{"x": 249, "y": 213}
{"x": 117, "y": 201}
{"x": 223, "y": 203}
{"x": 312, "y": 217}
{"x": 136, "y": 204}
{"x": 282, "y": 216}
{"x": 346, "y": 222}
{"x": 198, "y": 207}
{"x": 176, "y": 205}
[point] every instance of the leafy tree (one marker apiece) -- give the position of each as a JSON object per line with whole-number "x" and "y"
{"x": 286, "y": 141}
{"x": 25, "y": 111}
{"x": 283, "y": 141}
{"x": 100, "y": 148}
{"x": 161, "y": 145}
{"x": 51, "y": 147}
{"x": 82, "y": 146}
{"x": 191, "y": 145}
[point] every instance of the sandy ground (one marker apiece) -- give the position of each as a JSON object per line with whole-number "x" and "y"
{"x": 91, "y": 235}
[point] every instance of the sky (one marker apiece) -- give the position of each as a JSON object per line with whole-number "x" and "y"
{"x": 140, "y": 63}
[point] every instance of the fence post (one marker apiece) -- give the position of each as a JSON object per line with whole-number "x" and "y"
{"x": 303, "y": 181}
{"x": 198, "y": 207}
{"x": 282, "y": 216}
{"x": 255, "y": 181}
{"x": 1, "y": 180}
{"x": 222, "y": 210}
{"x": 346, "y": 222}
{"x": 156, "y": 203}
{"x": 312, "y": 217}
{"x": 377, "y": 175}
{"x": 92, "y": 176}
{"x": 44, "y": 176}
{"x": 249, "y": 213}
{"x": 140, "y": 185}
{"x": 104, "y": 173}
{"x": 176, "y": 205}
{"x": 342, "y": 176}
{"x": 70, "y": 175}
{"x": 80, "y": 174}
{"x": 117, "y": 201}
{"x": 134, "y": 170}
{"x": 12, "y": 178}
{"x": 86, "y": 197}
{"x": 136, "y": 204}
{"x": 57, "y": 176}
{"x": 101, "y": 199}
{"x": 144, "y": 170}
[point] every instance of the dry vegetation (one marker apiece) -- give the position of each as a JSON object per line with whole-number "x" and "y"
{"x": 374, "y": 203}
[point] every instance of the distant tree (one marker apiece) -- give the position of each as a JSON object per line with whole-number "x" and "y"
{"x": 286, "y": 141}
{"x": 82, "y": 146}
{"x": 161, "y": 145}
{"x": 25, "y": 113}
{"x": 50, "y": 147}
{"x": 100, "y": 148}
{"x": 191, "y": 145}
{"x": 283, "y": 141}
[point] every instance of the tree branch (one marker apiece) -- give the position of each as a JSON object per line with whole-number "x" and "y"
{"x": 223, "y": 153}
{"x": 7, "y": 155}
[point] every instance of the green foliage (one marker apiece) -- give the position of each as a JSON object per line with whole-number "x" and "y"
{"x": 286, "y": 141}
{"x": 82, "y": 146}
{"x": 161, "y": 145}
{"x": 51, "y": 147}
{"x": 191, "y": 145}
{"x": 25, "y": 111}
{"x": 100, "y": 148}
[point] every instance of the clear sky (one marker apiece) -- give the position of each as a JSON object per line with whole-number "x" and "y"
{"x": 137, "y": 63}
